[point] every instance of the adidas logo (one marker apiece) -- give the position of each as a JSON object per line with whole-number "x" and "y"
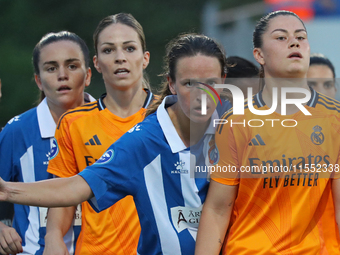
{"x": 94, "y": 141}
{"x": 256, "y": 141}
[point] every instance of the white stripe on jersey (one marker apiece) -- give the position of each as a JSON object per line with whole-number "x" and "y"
{"x": 167, "y": 234}
{"x": 189, "y": 188}
{"x": 32, "y": 233}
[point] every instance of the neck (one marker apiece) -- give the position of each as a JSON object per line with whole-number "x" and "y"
{"x": 279, "y": 83}
{"x": 125, "y": 103}
{"x": 57, "y": 110}
{"x": 189, "y": 132}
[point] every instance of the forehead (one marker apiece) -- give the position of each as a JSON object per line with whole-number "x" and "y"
{"x": 60, "y": 50}
{"x": 286, "y": 22}
{"x": 320, "y": 71}
{"x": 118, "y": 33}
{"x": 199, "y": 66}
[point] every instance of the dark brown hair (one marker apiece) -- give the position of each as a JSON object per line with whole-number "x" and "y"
{"x": 187, "y": 45}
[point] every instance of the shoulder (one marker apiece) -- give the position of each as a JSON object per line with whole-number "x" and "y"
{"x": 78, "y": 112}
{"x": 327, "y": 104}
{"x": 25, "y": 119}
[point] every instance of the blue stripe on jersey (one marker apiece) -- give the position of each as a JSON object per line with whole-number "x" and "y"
{"x": 158, "y": 179}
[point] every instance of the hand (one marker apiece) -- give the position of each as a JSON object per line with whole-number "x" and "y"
{"x": 10, "y": 241}
{"x": 55, "y": 246}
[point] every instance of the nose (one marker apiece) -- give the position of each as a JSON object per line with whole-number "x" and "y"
{"x": 63, "y": 74}
{"x": 120, "y": 57}
{"x": 294, "y": 43}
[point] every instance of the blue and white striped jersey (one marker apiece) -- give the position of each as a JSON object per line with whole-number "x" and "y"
{"x": 25, "y": 143}
{"x": 151, "y": 163}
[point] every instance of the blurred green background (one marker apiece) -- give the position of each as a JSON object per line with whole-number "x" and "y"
{"x": 24, "y": 22}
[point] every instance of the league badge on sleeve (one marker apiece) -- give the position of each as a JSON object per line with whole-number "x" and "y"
{"x": 106, "y": 157}
{"x": 54, "y": 150}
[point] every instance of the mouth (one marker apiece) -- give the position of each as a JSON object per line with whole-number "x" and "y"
{"x": 295, "y": 55}
{"x": 122, "y": 71}
{"x": 64, "y": 88}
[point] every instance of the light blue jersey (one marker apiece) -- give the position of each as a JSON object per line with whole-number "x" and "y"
{"x": 151, "y": 163}
{"x": 25, "y": 143}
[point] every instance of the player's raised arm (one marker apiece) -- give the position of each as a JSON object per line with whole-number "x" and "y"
{"x": 49, "y": 193}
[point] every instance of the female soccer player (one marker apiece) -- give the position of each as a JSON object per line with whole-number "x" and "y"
{"x": 278, "y": 200}
{"x": 321, "y": 75}
{"x": 61, "y": 66}
{"x": 84, "y": 134}
{"x": 153, "y": 161}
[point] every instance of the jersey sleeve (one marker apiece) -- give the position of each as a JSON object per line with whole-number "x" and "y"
{"x": 118, "y": 173}
{"x": 7, "y": 144}
{"x": 62, "y": 161}
{"x": 227, "y": 169}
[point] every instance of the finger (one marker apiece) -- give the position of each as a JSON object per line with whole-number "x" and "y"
{"x": 15, "y": 245}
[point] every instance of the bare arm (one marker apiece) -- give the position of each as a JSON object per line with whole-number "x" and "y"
{"x": 336, "y": 196}
{"x": 215, "y": 218}
{"x": 60, "y": 192}
{"x": 59, "y": 220}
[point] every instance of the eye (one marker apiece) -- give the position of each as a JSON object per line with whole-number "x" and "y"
{"x": 107, "y": 50}
{"x": 328, "y": 85}
{"x": 189, "y": 84}
{"x": 300, "y": 38}
{"x": 130, "y": 49}
{"x": 281, "y": 38}
{"x": 72, "y": 67}
{"x": 311, "y": 84}
{"x": 51, "y": 69}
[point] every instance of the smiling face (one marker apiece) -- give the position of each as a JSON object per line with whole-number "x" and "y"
{"x": 63, "y": 75}
{"x": 285, "y": 49}
{"x": 320, "y": 78}
{"x": 120, "y": 58}
{"x": 197, "y": 68}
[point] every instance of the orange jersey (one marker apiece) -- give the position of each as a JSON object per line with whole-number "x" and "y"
{"x": 83, "y": 135}
{"x": 286, "y": 208}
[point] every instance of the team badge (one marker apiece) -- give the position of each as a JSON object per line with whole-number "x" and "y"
{"x": 106, "y": 157}
{"x": 213, "y": 153}
{"x": 54, "y": 150}
{"x": 317, "y": 136}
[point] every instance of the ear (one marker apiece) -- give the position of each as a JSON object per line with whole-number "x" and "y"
{"x": 258, "y": 55}
{"x": 146, "y": 59}
{"x": 95, "y": 63}
{"x": 172, "y": 86}
{"x": 88, "y": 77}
{"x": 38, "y": 81}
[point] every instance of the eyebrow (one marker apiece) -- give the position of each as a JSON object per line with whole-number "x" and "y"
{"x": 70, "y": 60}
{"x": 285, "y": 31}
{"x": 109, "y": 43}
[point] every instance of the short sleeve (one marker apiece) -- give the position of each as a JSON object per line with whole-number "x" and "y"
{"x": 118, "y": 173}
{"x": 6, "y": 153}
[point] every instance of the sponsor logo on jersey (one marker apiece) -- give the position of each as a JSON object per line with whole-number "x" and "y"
{"x": 135, "y": 128}
{"x": 185, "y": 217}
{"x": 213, "y": 153}
{"x": 106, "y": 157}
{"x": 256, "y": 141}
{"x": 54, "y": 150}
{"x": 317, "y": 136}
{"x": 94, "y": 141}
{"x": 180, "y": 168}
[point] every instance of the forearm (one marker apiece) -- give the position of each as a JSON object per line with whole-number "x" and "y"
{"x": 59, "y": 192}
{"x": 215, "y": 218}
{"x": 212, "y": 229}
{"x": 59, "y": 221}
